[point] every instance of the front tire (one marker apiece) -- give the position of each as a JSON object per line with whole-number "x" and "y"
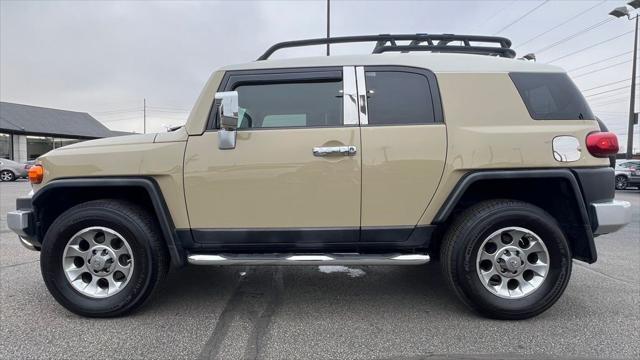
{"x": 103, "y": 258}
{"x": 621, "y": 182}
{"x": 7, "y": 175}
{"x": 506, "y": 259}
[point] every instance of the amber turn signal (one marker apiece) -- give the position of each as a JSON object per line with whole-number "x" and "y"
{"x": 36, "y": 173}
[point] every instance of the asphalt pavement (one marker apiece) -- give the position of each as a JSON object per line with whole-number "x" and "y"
{"x": 329, "y": 312}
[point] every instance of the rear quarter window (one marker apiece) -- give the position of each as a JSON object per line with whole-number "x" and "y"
{"x": 551, "y": 96}
{"x": 398, "y": 98}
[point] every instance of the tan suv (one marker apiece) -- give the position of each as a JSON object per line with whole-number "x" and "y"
{"x": 455, "y": 151}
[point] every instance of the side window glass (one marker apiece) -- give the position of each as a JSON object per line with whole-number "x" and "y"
{"x": 289, "y": 120}
{"x": 398, "y": 98}
{"x": 551, "y": 96}
{"x": 292, "y": 104}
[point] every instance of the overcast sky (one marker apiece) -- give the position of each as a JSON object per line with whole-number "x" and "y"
{"x": 106, "y": 57}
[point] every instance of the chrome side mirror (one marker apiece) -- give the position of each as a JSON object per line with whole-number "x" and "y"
{"x": 228, "y": 109}
{"x": 228, "y": 115}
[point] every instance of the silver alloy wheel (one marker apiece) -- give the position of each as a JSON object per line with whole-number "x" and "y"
{"x": 512, "y": 262}
{"x": 98, "y": 262}
{"x": 621, "y": 182}
{"x": 6, "y": 175}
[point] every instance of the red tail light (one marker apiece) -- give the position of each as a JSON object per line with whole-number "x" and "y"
{"x": 602, "y": 144}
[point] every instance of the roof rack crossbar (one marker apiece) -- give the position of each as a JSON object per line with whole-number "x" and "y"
{"x": 479, "y": 50}
{"x": 388, "y": 42}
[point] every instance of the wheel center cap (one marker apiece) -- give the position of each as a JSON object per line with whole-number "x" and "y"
{"x": 513, "y": 263}
{"x": 101, "y": 260}
{"x": 510, "y": 261}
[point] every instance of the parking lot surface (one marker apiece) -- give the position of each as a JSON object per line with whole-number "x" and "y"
{"x": 383, "y": 312}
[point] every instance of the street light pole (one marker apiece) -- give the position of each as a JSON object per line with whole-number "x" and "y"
{"x": 619, "y": 12}
{"x": 632, "y": 101}
{"x": 328, "y": 22}
{"x": 144, "y": 116}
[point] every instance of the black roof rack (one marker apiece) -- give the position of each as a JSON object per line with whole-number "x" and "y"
{"x": 418, "y": 42}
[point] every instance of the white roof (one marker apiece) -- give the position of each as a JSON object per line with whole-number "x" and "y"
{"x": 436, "y": 62}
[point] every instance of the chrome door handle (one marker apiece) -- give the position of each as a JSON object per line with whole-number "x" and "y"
{"x": 334, "y": 150}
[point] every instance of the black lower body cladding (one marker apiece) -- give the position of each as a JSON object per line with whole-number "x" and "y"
{"x": 597, "y": 185}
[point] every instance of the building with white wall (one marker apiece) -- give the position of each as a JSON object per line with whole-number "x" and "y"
{"x": 27, "y": 132}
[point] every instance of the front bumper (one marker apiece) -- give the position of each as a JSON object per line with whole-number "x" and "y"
{"x": 23, "y": 222}
{"x": 611, "y": 216}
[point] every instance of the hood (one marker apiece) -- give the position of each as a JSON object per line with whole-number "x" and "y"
{"x": 116, "y": 140}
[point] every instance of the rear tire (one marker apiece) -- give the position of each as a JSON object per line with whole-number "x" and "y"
{"x": 480, "y": 240}
{"x": 621, "y": 182}
{"x": 103, "y": 258}
{"x": 7, "y": 175}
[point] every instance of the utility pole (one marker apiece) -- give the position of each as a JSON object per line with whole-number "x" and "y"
{"x": 632, "y": 101}
{"x": 328, "y": 22}
{"x": 144, "y": 116}
{"x": 621, "y": 12}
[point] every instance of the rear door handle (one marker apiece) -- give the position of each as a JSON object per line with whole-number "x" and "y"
{"x": 335, "y": 150}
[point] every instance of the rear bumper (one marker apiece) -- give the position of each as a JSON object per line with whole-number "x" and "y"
{"x": 606, "y": 214}
{"x": 611, "y": 216}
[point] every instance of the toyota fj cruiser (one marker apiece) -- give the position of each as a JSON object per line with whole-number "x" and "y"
{"x": 494, "y": 166}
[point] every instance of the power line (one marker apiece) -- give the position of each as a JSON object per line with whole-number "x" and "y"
{"x": 181, "y": 118}
{"x": 607, "y": 84}
{"x": 612, "y": 97}
{"x": 612, "y": 102}
{"x": 590, "y": 46}
{"x": 600, "y": 61}
{"x": 521, "y": 17}
{"x": 127, "y": 114}
{"x": 608, "y": 91}
{"x": 617, "y": 127}
{"x": 115, "y": 111}
{"x": 574, "y": 35}
{"x": 613, "y": 112}
{"x": 600, "y": 69}
{"x": 502, "y": 9}
{"x": 606, "y": 97}
{"x": 168, "y": 111}
{"x": 137, "y": 118}
{"x": 561, "y": 24}
{"x": 167, "y": 107}
{"x": 123, "y": 119}
{"x": 118, "y": 112}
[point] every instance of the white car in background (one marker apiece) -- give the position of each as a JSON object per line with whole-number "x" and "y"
{"x": 627, "y": 174}
{"x": 11, "y": 170}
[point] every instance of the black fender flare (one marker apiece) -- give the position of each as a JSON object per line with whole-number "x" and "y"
{"x": 147, "y": 183}
{"x": 565, "y": 174}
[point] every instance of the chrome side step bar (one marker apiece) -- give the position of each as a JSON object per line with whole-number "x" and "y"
{"x": 308, "y": 259}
